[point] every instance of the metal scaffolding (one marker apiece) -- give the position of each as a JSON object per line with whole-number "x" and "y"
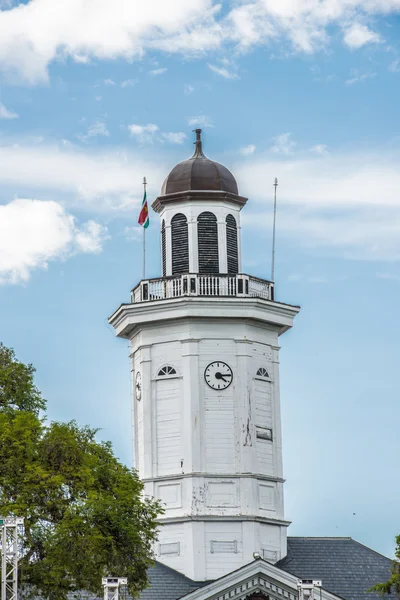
{"x": 111, "y": 586}
{"x": 10, "y": 536}
{"x": 307, "y": 589}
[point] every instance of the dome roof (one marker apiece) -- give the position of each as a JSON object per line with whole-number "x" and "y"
{"x": 199, "y": 173}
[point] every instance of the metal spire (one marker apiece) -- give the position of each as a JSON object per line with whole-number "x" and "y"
{"x": 273, "y": 234}
{"x": 198, "y": 152}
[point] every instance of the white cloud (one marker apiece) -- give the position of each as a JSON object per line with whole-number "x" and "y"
{"x": 347, "y": 205}
{"x": 174, "y": 138}
{"x": 143, "y": 133}
{"x": 247, "y": 150}
{"x": 90, "y": 180}
{"x": 283, "y": 144}
{"x": 7, "y": 114}
{"x": 129, "y": 83}
{"x": 223, "y": 72}
{"x": 133, "y": 234}
{"x": 358, "y": 35}
{"x": 394, "y": 66}
{"x": 34, "y": 232}
{"x": 160, "y": 71}
{"x": 109, "y": 82}
{"x": 200, "y": 121}
{"x": 357, "y": 76}
{"x": 98, "y": 128}
{"x": 388, "y": 276}
{"x": 35, "y": 33}
{"x": 188, "y": 89}
{"x": 319, "y": 149}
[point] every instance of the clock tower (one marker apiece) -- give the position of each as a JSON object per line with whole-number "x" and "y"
{"x": 205, "y": 366}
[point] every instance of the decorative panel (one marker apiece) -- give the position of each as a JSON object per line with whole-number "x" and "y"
{"x": 232, "y": 245}
{"x": 170, "y": 494}
{"x": 180, "y": 244}
{"x": 170, "y": 549}
{"x": 266, "y": 496}
{"x": 207, "y": 232}
{"x": 222, "y": 493}
{"x": 270, "y": 556}
{"x": 223, "y": 547}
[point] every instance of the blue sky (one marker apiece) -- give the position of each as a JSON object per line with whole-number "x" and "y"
{"x": 94, "y": 96}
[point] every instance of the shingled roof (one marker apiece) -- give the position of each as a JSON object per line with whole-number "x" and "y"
{"x": 168, "y": 584}
{"x": 346, "y": 567}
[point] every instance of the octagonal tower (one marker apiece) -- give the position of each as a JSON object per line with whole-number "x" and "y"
{"x": 205, "y": 366}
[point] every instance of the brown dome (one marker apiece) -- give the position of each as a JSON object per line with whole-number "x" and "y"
{"x": 199, "y": 173}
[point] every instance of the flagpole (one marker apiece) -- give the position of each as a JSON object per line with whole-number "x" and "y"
{"x": 144, "y": 235}
{"x": 273, "y": 234}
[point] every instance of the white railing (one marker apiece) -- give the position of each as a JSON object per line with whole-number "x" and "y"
{"x": 202, "y": 285}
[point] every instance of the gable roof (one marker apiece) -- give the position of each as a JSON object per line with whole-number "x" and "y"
{"x": 258, "y": 578}
{"x": 346, "y": 567}
{"x": 168, "y": 584}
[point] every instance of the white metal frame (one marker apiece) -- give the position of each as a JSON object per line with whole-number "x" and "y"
{"x": 111, "y": 586}
{"x": 307, "y": 588}
{"x": 10, "y": 535}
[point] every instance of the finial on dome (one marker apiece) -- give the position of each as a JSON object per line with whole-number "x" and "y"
{"x": 198, "y": 152}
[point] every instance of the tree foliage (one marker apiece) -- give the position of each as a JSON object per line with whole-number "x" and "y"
{"x": 393, "y": 584}
{"x": 85, "y": 517}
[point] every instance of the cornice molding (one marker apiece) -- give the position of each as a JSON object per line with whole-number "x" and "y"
{"x": 197, "y": 196}
{"x": 128, "y": 316}
{"x": 215, "y": 476}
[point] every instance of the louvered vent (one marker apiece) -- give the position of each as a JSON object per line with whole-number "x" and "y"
{"x": 163, "y": 249}
{"x": 232, "y": 244}
{"x": 180, "y": 244}
{"x": 207, "y": 231}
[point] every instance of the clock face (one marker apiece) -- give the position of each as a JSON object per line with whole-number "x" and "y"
{"x": 218, "y": 375}
{"x": 138, "y": 386}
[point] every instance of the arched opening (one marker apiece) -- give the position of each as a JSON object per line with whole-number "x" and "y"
{"x": 180, "y": 244}
{"x": 232, "y": 245}
{"x": 166, "y": 371}
{"x": 207, "y": 233}
{"x": 163, "y": 249}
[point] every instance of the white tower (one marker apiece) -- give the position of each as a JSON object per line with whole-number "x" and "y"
{"x": 204, "y": 352}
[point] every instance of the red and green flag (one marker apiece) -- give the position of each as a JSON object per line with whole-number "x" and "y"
{"x": 144, "y": 212}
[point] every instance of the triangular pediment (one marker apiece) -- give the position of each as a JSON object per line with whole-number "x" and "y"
{"x": 258, "y": 580}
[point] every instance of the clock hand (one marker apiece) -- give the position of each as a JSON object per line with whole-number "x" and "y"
{"x": 219, "y": 375}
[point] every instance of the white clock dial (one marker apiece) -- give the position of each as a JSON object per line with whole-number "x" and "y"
{"x": 218, "y": 375}
{"x": 138, "y": 386}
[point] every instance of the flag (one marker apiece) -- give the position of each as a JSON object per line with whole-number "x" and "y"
{"x": 144, "y": 212}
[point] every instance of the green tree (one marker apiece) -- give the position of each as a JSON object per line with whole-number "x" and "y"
{"x": 85, "y": 514}
{"x": 393, "y": 583}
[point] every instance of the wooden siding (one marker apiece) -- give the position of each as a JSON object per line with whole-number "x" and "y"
{"x": 263, "y": 418}
{"x": 168, "y": 425}
{"x": 219, "y": 422}
{"x": 207, "y": 231}
{"x": 232, "y": 245}
{"x": 139, "y": 457}
{"x": 216, "y": 562}
{"x": 180, "y": 244}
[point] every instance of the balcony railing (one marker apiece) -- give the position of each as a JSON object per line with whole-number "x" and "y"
{"x": 237, "y": 286}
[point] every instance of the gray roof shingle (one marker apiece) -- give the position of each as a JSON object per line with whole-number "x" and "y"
{"x": 168, "y": 584}
{"x": 346, "y": 567}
